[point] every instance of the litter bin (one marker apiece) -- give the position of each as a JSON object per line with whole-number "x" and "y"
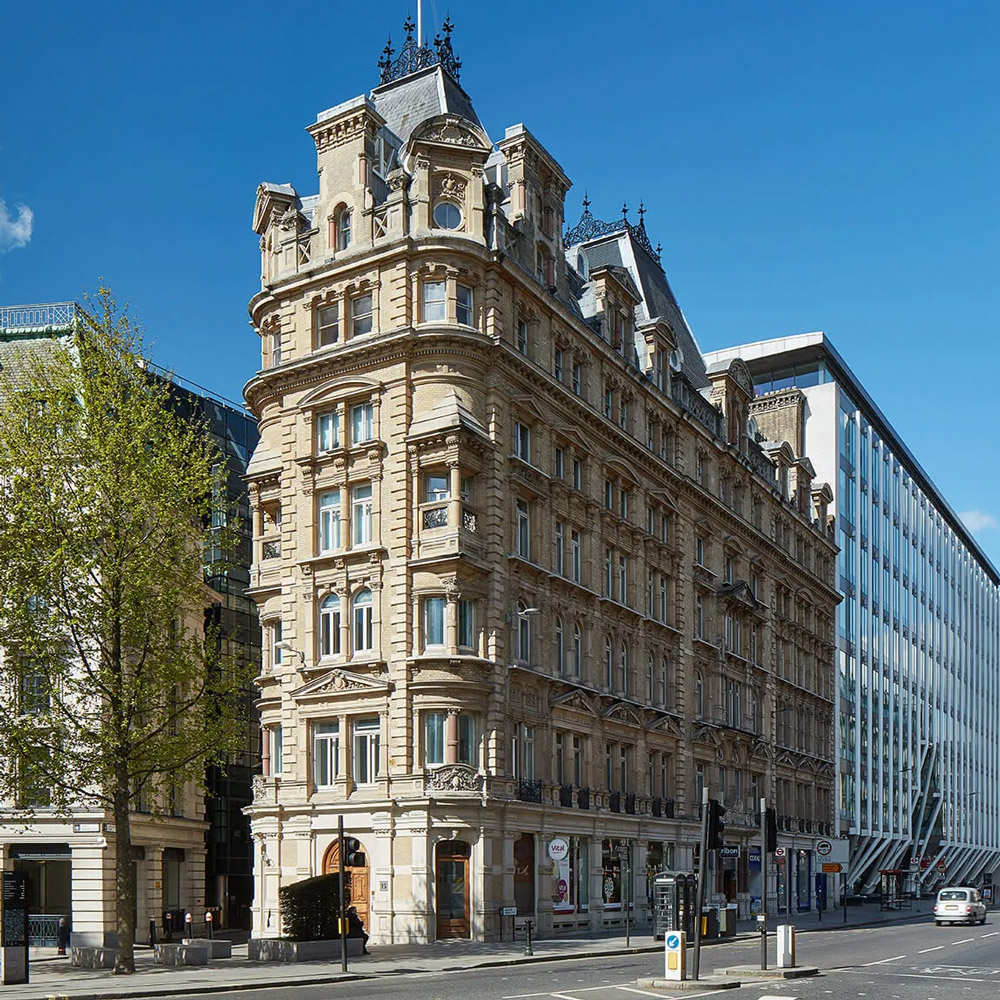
{"x": 727, "y": 920}
{"x": 710, "y": 923}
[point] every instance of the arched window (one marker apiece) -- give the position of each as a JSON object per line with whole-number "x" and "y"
{"x": 624, "y": 685}
{"x": 577, "y": 664}
{"x": 523, "y": 632}
{"x": 699, "y": 697}
{"x": 329, "y": 626}
{"x": 609, "y": 662}
{"x": 560, "y": 647}
{"x": 363, "y": 636}
{"x": 342, "y": 227}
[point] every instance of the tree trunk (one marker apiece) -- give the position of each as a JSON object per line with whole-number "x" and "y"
{"x": 124, "y": 876}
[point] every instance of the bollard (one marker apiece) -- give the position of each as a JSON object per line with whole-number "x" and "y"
{"x": 786, "y": 946}
{"x": 189, "y": 924}
{"x": 208, "y": 924}
{"x": 63, "y": 935}
{"x": 527, "y": 938}
{"x": 762, "y": 928}
{"x": 675, "y": 955}
{"x": 152, "y": 932}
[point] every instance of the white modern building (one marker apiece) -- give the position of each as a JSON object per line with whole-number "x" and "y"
{"x": 918, "y": 634}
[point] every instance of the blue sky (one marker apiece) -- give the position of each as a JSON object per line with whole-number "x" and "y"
{"x": 818, "y": 165}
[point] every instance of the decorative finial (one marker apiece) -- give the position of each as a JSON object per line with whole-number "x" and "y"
{"x": 642, "y": 213}
{"x": 586, "y": 202}
{"x": 448, "y": 27}
{"x": 625, "y": 211}
{"x": 659, "y": 249}
{"x": 408, "y": 27}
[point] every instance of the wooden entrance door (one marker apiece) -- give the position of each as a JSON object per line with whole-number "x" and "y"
{"x": 357, "y": 882}
{"x": 451, "y": 882}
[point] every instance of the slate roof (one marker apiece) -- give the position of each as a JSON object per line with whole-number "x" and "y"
{"x": 19, "y": 354}
{"x": 407, "y": 102}
{"x": 657, "y": 298}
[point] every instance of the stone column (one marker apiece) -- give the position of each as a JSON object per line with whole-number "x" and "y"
{"x": 451, "y": 737}
{"x": 596, "y": 910}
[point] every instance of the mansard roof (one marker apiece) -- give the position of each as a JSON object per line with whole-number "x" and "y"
{"x": 410, "y": 100}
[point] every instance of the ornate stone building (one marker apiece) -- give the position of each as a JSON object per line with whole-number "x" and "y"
{"x": 528, "y": 574}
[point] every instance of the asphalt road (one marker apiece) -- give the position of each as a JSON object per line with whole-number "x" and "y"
{"x": 911, "y": 961}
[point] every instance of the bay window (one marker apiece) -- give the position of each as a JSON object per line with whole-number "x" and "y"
{"x": 433, "y": 621}
{"x": 434, "y": 302}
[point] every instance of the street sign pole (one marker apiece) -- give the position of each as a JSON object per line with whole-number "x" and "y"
{"x": 343, "y": 915}
{"x": 763, "y": 883}
{"x": 699, "y": 900}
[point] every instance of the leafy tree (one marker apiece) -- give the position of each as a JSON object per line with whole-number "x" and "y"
{"x": 107, "y": 495}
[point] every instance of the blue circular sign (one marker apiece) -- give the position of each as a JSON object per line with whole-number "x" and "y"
{"x": 673, "y": 941}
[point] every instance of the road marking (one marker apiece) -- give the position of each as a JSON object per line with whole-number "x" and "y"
{"x": 883, "y": 961}
{"x": 632, "y": 989}
{"x": 924, "y": 952}
{"x": 991, "y": 934}
{"x": 963, "y": 941}
{"x": 563, "y": 996}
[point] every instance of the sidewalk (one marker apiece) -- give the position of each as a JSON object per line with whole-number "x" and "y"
{"x": 55, "y": 977}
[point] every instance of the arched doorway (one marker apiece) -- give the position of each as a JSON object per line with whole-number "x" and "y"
{"x": 357, "y": 882}
{"x": 451, "y": 882}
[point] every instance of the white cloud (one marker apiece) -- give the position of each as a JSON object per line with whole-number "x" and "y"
{"x": 15, "y": 230}
{"x": 978, "y": 520}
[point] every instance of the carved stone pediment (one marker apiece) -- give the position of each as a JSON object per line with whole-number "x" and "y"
{"x": 454, "y": 778}
{"x": 624, "y": 713}
{"x": 579, "y": 700}
{"x": 339, "y": 681}
{"x": 667, "y": 724}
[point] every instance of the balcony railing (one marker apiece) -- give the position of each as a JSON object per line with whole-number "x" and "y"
{"x": 630, "y": 804}
{"x": 615, "y": 802}
{"x": 435, "y": 517}
{"x": 271, "y": 549}
{"x": 41, "y": 316}
{"x": 528, "y": 790}
{"x": 566, "y": 796}
{"x": 583, "y": 798}
{"x": 662, "y": 808}
{"x": 470, "y": 520}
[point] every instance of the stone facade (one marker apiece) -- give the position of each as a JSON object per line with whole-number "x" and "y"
{"x": 529, "y": 576}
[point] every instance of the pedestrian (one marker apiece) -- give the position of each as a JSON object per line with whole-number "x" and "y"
{"x": 355, "y": 928}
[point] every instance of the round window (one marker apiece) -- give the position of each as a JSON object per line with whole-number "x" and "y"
{"x": 447, "y": 215}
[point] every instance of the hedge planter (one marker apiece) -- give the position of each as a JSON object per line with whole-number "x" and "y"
{"x": 282, "y": 950}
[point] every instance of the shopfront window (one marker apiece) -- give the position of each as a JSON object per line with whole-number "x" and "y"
{"x": 570, "y": 877}
{"x": 611, "y": 881}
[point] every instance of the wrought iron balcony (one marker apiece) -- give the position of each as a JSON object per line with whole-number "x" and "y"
{"x": 583, "y": 798}
{"x": 566, "y": 796}
{"x": 528, "y": 790}
{"x": 270, "y": 549}
{"x": 615, "y": 802}
{"x": 630, "y": 803}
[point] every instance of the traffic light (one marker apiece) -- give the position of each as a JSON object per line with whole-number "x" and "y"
{"x": 770, "y": 830}
{"x": 716, "y": 824}
{"x": 354, "y": 857}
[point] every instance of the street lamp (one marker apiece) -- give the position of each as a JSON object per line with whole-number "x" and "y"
{"x": 287, "y": 647}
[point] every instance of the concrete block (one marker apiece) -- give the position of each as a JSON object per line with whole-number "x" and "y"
{"x": 280, "y": 950}
{"x": 92, "y": 958}
{"x": 217, "y": 947}
{"x": 180, "y": 954}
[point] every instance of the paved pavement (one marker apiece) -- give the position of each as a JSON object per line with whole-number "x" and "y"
{"x": 52, "y": 977}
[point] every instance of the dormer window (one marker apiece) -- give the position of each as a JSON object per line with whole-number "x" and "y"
{"x": 447, "y": 215}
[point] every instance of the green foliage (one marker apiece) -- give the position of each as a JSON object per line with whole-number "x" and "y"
{"x": 311, "y": 908}
{"x": 111, "y": 688}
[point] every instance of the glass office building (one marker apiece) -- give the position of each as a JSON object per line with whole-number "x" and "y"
{"x": 918, "y": 638}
